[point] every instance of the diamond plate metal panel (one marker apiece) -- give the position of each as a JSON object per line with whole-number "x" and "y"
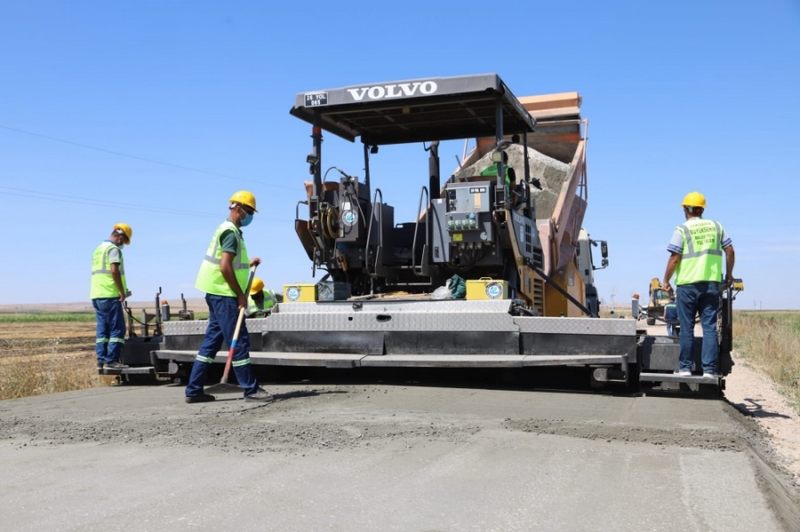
{"x": 449, "y": 316}
{"x": 395, "y": 306}
{"x": 392, "y": 321}
{"x": 174, "y": 328}
{"x": 393, "y": 316}
{"x": 184, "y": 327}
{"x": 595, "y": 326}
{"x": 258, "y": 325}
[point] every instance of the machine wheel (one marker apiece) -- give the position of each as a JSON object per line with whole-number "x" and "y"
{"x": 651, "y": 321}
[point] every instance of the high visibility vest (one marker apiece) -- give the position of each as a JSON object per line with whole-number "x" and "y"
{"x": 701, "y": 256}
{"x": 209, "y": 278}
{"x": 102, "y": 281}
{"x": 269, "y": 302}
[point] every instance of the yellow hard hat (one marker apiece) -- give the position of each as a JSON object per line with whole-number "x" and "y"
{"x": 257, "y": 286}
{"x": 125, "y": 229}
{"x": 694, "y": 199}
{"x": 245, "y": 197}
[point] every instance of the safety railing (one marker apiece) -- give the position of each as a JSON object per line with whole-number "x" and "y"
{"x": 424, "y": 267}
{"x": 373, "y": 269}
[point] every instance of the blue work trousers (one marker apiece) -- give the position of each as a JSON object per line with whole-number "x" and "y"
{"x": 222, "y": 314}
{"x": 110, "y": 329}
{"x": 671, "y": 319}
{"x": 703, "y": 299}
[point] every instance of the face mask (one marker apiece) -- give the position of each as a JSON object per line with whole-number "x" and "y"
{"x": 246, "y": 219}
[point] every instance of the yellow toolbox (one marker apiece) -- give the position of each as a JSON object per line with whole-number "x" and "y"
{"x": 299, "y": 292}
{"x": 487, "y": 288}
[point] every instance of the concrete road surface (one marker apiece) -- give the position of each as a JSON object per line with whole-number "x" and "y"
{"x": 378, "y": 457}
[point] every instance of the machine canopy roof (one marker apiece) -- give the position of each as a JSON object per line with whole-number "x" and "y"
{"x": 415, "y": 110}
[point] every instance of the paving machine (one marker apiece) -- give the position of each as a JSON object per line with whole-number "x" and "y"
{"x": 658, "y": 299}
{"x": 508, "y": 222}
{"x": 144, "y": 335}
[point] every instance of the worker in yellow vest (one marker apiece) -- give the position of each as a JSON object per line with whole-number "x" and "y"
{"x": 261, "y": 299}
{"x": 223, "y": 277}
{"x": 108, "y": 291}
{"x": 696, "y": 251}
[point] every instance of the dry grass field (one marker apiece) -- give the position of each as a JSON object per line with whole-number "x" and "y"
{"x": 40, "y": 356}
{"x": 50, "y": 348}
{"x": 770, "y": 341}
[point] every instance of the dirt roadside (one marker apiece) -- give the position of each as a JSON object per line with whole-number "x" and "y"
{"x": 756, "y": 396}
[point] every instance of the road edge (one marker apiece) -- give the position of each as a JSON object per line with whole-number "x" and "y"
{"x": 783, "y": 497}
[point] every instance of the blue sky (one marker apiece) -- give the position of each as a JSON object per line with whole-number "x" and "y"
{"x": 153, "y": 113}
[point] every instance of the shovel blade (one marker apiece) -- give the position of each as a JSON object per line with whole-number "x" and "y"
{"x": 223, "y": 387}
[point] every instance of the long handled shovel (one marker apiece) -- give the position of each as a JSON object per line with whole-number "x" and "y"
{"x": 224, "y": 386}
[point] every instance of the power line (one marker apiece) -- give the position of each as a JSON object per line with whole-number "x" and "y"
{"x": 135, "y": 157}
{"x": 121, "y": 154}
{"x": 78, "y": 200}
{"x": 131, "y": 156}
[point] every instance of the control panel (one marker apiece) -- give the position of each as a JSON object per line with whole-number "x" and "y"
{"x": 468, "y": 212}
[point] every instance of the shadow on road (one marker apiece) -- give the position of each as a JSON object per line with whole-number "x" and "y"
{"x": 278, "y": 397}
{"x": 559, "y": 379}
{"x": 753, "y": 408}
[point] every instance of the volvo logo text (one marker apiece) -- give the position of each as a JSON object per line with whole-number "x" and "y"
{"x": 394, "y": 90}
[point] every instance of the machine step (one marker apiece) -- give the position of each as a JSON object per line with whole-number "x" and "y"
{"x": 672, "y": 377}
{"x": 138, "y": 370}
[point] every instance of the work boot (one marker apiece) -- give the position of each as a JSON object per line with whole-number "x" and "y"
{"x": 709, "y": 375}
{"x": 259, "y": 395}
{"x": 202, "y": 398}
{"x": 114, "y": 365}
